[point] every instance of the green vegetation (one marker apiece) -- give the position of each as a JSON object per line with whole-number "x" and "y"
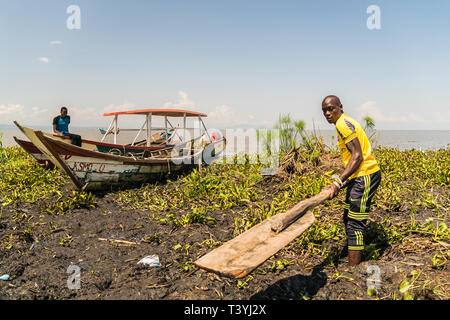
{"x": 292, "y": 135}
{"x": 76, "y": 201}
{"x": 195, "y": 216}
{"x": 290, "y": 130}
{"x": 241, "y": 285}
{"x": 369, "y": 129}
{"x": 24, "y": 180}
{"x": 3, "y": 152}
{"x": 411, "y": 204}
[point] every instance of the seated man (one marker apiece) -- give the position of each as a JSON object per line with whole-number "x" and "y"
{"x": 61, "y": 127}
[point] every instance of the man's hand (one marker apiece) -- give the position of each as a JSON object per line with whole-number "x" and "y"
{"x": 56, "y": 132}
{"x": 334, "y": 190}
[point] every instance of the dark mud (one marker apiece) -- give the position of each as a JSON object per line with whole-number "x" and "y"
{"x": 107, "y": 241}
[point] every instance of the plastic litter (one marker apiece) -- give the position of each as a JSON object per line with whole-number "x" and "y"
{"x": 150, "y": 261}
{"x": 4, "y": 277}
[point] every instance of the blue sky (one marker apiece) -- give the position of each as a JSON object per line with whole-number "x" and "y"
{"x": 241, "y": 62}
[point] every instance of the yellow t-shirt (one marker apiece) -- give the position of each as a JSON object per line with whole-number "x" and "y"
{"x": 348, "y": 129}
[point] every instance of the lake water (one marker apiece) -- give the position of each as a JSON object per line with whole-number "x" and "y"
{"x": 402, "y": 140}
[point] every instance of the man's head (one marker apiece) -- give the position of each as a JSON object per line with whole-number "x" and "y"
{"x": 332, "y": 108}
{"x": 63, "y": 112}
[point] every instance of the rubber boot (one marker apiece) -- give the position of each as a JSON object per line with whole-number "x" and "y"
{"x": 354, "y": 257}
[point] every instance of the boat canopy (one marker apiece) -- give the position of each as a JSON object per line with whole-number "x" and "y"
{"x": 160, "y": 112}
{"x": 149, "y": 113}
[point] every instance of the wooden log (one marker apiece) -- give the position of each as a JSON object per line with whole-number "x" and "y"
{"x": 283, "y": 220}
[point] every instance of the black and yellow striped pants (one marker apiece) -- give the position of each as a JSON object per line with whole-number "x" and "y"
{"x": 360, "y": 192}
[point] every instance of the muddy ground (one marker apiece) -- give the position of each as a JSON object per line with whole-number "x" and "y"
{"x": 107, "y": 241}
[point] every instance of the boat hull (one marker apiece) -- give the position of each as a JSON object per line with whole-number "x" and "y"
{"x": 101, "y": 174}
{"x": 35, "y": 153}
{"x": 115, "y": 149}
{"x": 92, "y": 170}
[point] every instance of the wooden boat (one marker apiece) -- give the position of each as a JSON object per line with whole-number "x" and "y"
{"x": 34, "y": 152}
{"x": 95, "y": 170}
{"x": 156, "y": 138}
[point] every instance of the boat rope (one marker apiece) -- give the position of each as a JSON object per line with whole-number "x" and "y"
{"x": 131, "y": 155}
{"x": 112, "y": 151}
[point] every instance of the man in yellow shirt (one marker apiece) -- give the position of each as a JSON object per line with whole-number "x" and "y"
{"x": 361, "y": 171}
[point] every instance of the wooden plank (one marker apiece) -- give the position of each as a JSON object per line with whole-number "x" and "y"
{"x": 241, "y": 255}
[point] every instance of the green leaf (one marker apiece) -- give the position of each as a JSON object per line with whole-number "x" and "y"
{"x": 404, "y": 286}
{"x": 372, "y": 292}
{"x": 407, "y": 296}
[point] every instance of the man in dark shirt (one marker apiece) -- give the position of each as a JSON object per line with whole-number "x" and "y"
{"x": 61, "y": 127}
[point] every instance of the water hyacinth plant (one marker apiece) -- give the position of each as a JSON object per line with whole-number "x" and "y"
{"x": 24, "y": 180}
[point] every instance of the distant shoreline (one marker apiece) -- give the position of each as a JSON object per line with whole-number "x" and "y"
{"x": 244, "y": 127}
{"x": 399, "y": 139}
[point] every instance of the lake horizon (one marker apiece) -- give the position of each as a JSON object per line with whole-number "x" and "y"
{"x": 400, "y": 139}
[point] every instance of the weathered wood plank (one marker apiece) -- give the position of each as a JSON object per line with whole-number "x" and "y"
{"x": 241, "y": 255}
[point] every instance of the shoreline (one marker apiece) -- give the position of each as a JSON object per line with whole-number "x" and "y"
{"x": 397, "y": 139}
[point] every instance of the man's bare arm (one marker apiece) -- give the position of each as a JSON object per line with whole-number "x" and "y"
{"x": 355, "y": 161}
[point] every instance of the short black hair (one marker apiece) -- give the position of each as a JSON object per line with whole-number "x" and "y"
{"x": 334, "y": 99}
{"x": 63, "y": 108}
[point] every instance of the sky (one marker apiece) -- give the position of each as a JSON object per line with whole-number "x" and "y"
{"x": 242, "y": 62}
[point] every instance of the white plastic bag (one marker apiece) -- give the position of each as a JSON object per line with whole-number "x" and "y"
{"x": 150, "y": 261}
